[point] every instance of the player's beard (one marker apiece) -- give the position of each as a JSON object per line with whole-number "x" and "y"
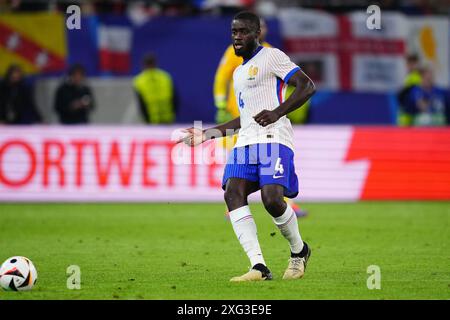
{"x": 239, "y": 52}
{"x": 245, "y": 51}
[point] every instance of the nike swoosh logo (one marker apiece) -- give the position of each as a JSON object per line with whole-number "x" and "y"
{"x": 277, "y": 177}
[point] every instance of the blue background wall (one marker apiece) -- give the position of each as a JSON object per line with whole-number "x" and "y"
{"x": 353, "y": 108}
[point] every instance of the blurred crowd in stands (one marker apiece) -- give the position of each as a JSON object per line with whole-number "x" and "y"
{"x": 74, "y": 99}
{"x": 421, "y": 102}
{"x": 190, "y": 7}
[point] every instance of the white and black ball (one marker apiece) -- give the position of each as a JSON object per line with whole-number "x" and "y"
{"x": 18, "y": 274}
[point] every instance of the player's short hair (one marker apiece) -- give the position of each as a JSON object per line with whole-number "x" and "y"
{"x": 249, "y": 16}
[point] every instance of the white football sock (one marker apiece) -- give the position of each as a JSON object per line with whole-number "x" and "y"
{"x": 288, "y": 225}
{"x": 245, "y": 229}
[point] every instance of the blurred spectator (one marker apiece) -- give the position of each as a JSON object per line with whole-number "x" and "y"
{"x": 110, "y": 6}
{"x": 177, "y": 7}
{"x": 412, "y": 79}
{"x": 156, "y": 94}
{"x": 16, "y": 99}
{"x": 228, "y": 7}
{"x": 427, "y": 104}
{"x": 140, "y": 12}
{"x": 74, "y": 100}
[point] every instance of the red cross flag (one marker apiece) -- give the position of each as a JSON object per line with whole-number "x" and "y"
{"x": 342, "y": 53}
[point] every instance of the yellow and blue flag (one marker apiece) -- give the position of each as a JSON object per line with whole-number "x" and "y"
{"x": 35, "y": 41}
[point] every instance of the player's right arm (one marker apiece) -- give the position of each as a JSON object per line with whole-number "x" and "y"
{"x": 196, "y": 136}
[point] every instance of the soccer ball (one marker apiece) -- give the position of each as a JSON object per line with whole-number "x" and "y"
{"x": 18, "y": 274}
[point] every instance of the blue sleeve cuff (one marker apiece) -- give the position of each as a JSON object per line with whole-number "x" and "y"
{"x": 289, "y": 75}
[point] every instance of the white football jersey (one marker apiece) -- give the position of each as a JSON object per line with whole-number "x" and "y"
{"x": 260, "y": 83}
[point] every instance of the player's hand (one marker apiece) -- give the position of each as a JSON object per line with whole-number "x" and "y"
{"x": 222, "y": 116}
{"x": 193, "y": 137}
{"x": 266, "y": 117}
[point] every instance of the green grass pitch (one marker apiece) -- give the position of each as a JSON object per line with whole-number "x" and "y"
{"x": 189, "y": 251}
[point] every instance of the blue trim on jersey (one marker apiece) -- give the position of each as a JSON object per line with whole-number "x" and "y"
{"x": 254, "y": 54}
{"x": 290, "y": 74}
{"x": 279, "y": 84}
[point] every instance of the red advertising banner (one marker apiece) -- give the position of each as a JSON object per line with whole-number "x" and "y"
{"x": 345, "y": 163}
{"x": 404, "y": 163}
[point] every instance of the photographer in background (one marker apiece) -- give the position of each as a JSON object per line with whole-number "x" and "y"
{"x": 74, "y": 100}
{"x": 16, "y": 99}
{"x": 412, "y": 80}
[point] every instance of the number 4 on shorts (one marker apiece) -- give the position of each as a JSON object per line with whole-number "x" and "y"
{"x": 279, "y": 166}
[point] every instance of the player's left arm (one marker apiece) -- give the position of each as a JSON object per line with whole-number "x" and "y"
{"x": 304, "y": 89}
